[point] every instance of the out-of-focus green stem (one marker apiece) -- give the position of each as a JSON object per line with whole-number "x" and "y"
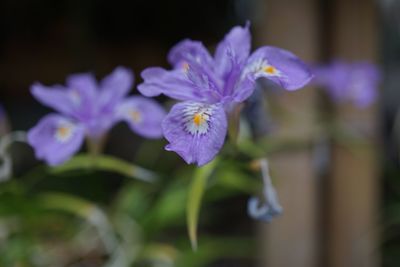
{"x": 106, "y": 163}
{"x": 95, "y": 146}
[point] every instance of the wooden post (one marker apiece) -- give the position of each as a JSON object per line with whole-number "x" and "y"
{"x": 353, "y": 188}
{"x": 291, "y": 239}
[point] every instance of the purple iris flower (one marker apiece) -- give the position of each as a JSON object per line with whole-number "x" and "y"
{"x": 355, "y": 82}
{"x": 87, "y": 108}
{"x": 211, "y": 86}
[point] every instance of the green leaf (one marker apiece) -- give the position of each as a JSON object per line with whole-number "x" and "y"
{"x": 196, "y": 192}
{"x": 167, "y": 210}
{"x": 106, "y": 163}
{"x": 216, "y": 248}
{"x": 235, "y": 178}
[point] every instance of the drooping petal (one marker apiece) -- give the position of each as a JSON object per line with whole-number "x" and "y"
{"x": 262, "y": 211}
{"x": 115, "y": 86}
{"x": 278, "y": 65}
{"x": 55, "y": 138}
{"x": 57, "y": 97}
{"x": 177, "y": 84}
{"x": 237, "y": 45}
{"x": 143, "y": 115}
{"x": 195, "y": 131}
{"x": 268, "y": 208}
{"x": 189, "y": 50}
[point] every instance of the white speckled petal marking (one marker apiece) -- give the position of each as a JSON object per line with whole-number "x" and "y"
{"x": 261, "y": 67}
{"x": 197, "y": 118}
{"x": 64, "y": 131}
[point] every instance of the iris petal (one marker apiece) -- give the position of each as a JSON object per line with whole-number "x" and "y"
{"x": 143, "y": 115}
{"x": 83, "y": 91}
{"x": 56, "y": 97}
{"x": 189, "y": 50}
{"x": 236, "y": 44}
{"x": 191, "y": 84}
{"x": 55, "y": 138}
{"x": 278, "y": 65}
{"x": 84, "y": 83}
{"x": 115, "y": 86}
{"x": 195, "y": 131}
{"x": 262, "y": 212}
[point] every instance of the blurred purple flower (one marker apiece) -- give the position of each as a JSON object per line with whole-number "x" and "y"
{"x": 88, "y": 108}
{"x": 355, "y": 82}
{"x": 210, "y": 87}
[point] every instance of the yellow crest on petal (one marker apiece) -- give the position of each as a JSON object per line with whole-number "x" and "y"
{"x": 198, "y": 119}
{"x": 270, "y": 70}
{"x": 64, "y": 132}
{"x": 135, "y": 116}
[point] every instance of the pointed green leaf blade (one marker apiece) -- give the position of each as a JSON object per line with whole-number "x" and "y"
{"x": 195, "y": 195}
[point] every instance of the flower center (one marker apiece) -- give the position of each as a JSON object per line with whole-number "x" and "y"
{"x": 197, "y": 119}
{"x": 135, "y": 116}
{"x": 270, "y": 70}
{"x": 64, "y": 133}
{"x": 185, "y": 67}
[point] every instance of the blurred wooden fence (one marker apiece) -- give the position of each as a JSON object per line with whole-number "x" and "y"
{"x": 333, "y": 222}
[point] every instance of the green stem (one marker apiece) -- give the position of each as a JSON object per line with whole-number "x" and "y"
{"x": 95, "y": 146}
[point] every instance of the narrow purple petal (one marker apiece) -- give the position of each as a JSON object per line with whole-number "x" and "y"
{"x": 56, "y": 97}
{"x": 84, "y": 83}
{"x": 143, "y": 115}
{"x": 55, "y": 138}
{"x": 205, "y": 82}
{"x": 195, "y": 131}
{"x": 187, "y": 84}
{"x": 115, "y": 86}
{"x": 83, "y": 89}
{"x": 278, "y": 65}
{"x": 236, "y": 44}
{"x": 153, "y": 81}
{"x": 188, "y": 50}
{"x": 234, "y": 85}
{"x": 244, "y": 89}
